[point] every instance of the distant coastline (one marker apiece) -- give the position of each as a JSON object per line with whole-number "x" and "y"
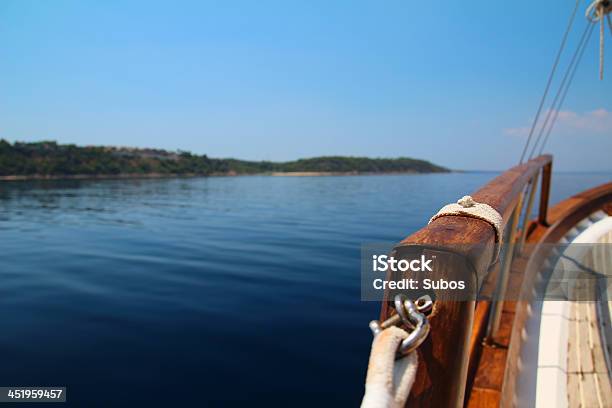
{"x": 146, "y": 176}
{"x": 48, "y": 160}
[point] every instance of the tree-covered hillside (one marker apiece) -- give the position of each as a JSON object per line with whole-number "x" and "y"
{"x": 52, "y": 159}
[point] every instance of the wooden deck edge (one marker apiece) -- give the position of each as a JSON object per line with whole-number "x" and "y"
{"x": 489, "y": 388}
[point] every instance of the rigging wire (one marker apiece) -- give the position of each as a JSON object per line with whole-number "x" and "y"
{"x": 553, "y": 111}
{"x": 592, "y": 26}
{"x": 550, "y": 77}
{"x": 601, "y": 43}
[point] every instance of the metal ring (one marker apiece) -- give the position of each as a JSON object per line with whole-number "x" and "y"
{"x": 419, "y": 334}
{"x": 401, "y": 310}
{"x": 424, "y": 304}
{"x": 410, "y": 315}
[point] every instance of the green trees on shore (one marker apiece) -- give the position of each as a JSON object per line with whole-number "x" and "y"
{"x": 48, "y": 158}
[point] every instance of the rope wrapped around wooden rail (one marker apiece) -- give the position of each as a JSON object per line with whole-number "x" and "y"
{"x": 462, "y": 245}
{"x": 467, "y": 207}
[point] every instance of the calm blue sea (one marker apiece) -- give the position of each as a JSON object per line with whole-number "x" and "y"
{"x": 205, "y": 291}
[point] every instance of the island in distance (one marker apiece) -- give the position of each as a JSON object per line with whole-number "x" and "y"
{"x": 47, "y": 159}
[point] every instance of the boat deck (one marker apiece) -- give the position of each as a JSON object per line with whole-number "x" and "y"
{"x": 575, "y": 345}
{"x": 588, "y": 379}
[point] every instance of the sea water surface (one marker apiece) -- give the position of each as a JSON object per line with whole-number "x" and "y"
{"x": 204, "y": 291}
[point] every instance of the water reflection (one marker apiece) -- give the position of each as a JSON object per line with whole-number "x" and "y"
{"x": 187, "y": 283}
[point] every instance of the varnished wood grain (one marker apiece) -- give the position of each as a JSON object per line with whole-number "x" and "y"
{"x": 470, "y": 244}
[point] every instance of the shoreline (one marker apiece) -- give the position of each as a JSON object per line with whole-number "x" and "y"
{"x": 135, "y": 176}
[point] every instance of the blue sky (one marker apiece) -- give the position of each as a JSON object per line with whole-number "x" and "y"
{"x": 456, "y": 83}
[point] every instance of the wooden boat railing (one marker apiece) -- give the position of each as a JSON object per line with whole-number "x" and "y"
{"x": 445, "y": 356}
{"x": 561, "y": 219}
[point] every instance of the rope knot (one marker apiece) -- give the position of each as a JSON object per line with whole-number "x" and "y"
{"x": 466, "y": 201}
{"x": 467, "y": 207}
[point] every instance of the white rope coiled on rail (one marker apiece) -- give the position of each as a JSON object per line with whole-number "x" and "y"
{"x": 389, "y": 381}
{"x": 467, "y": 207}
{"x": 596, "y": 11}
